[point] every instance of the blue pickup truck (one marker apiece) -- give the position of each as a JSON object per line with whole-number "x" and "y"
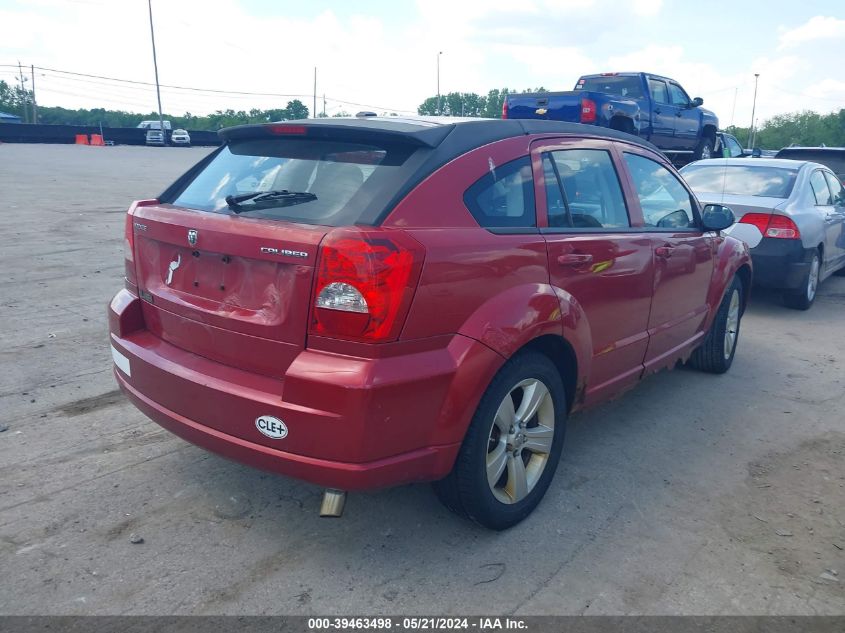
{"x": 655, "y": 108}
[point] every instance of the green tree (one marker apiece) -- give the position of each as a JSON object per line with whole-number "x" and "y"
{"x": 296, "y": 110}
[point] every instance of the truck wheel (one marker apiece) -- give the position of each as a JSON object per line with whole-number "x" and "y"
{"x": 716, "y": 353}
{"x": 704, "y": 149}
{"x": 806, "y": 296}
{"x": 512, "y": 447}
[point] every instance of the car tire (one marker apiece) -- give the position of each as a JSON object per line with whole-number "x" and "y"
{"x": 509, "y": 454}
{"x": 804, "y": 298}
{"x": 704, "y": 149}
{"x": 716, "y": 353}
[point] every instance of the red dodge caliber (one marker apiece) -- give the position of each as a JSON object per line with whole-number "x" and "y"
{"x": 363, "y": 303}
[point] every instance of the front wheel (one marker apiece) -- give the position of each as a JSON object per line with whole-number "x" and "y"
{"x": 716, "y": 354}
{"x": 512, "y": 447}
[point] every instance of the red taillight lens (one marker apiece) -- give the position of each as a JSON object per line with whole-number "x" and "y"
{"x": 129, "y": 249}
{"x": 505, "y": 108}
{"x": 771, "y": 225}
{"x": 588, "y": 111}
{"x": 783, "y": 227}
{"x": 365, "y": 283}
{"x": 129, "y": 241}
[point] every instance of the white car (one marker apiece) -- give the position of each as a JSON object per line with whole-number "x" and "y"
{"x": 180, "y": 137}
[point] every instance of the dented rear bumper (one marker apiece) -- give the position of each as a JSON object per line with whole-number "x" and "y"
{"x": 353, "y": 423}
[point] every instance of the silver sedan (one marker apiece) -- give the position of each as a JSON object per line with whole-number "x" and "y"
{"x": 790, "y": 213}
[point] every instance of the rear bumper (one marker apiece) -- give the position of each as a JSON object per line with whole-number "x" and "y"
{"x": 780, "y": 264}
{"x": 353, "y": 423}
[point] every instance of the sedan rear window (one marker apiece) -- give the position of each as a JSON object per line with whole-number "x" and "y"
{"x": 310, "y": 181}
{"x": 741, "y": 180}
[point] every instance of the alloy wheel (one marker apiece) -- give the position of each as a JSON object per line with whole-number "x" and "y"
{"x": 732, "y": 324}
{"x": 520, "y": 440}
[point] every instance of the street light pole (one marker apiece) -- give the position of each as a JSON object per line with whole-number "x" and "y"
{"x": 155, "y": 67}
{"x": 439, "y": 111}
{"x": 753, "y": 109}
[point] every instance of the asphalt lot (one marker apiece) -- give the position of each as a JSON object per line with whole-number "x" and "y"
{"x": 693, "y": 494}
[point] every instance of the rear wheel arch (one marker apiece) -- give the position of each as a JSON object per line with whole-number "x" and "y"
{"x": 622, "y": 124}
{"x": 558, "y": 350}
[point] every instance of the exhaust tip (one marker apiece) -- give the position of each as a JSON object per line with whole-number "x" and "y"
{"x": 333, "y": 502}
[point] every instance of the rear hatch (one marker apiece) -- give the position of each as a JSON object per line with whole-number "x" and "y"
{"x": 225, "y": 262}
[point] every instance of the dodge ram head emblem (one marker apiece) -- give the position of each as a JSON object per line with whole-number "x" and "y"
{"x": 192, "y": 236}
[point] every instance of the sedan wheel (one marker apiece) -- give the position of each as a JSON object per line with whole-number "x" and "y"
{"x": 804, "y": 298}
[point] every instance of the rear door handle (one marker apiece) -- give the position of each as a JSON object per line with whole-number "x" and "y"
{"x": 664, "y": 252}
{"x": 575, "y": 259}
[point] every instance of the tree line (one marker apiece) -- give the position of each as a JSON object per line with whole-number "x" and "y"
{"x": 14, "y": 100}
{"x": 800, "y": 128}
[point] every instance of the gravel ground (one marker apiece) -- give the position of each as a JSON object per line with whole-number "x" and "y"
{"x": 692, "y": 494}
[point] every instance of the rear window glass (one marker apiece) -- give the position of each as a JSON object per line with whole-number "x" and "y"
{"x": 739, "y": 180}
{"x": 630, "y": 87}
{"x": 330, "y": 183}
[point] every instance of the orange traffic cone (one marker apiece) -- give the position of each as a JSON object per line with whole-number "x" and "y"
{"x": 82, "y": 139}
{"x": 97, "y": 139}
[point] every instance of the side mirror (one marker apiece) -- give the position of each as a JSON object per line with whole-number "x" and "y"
{"x": 756, "y": 152}
{"x": 698, "y": 101}
{"x": 717, "y": 217}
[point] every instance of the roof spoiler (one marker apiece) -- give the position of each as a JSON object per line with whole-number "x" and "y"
{"x": 344, "y": 130}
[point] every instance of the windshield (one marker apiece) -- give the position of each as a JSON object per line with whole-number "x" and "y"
{"x": 630, "y": 87}
{"x": 334, "y": 181}
{"x": 741, "y": 180}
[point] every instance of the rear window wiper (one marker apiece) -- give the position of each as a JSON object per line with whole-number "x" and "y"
{"x": 264, "y": 199}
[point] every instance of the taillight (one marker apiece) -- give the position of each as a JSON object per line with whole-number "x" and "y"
{"x": 129, "y": 241}
{"x": 588, "y": 111}
{"x": 129, "y": 249}
{"x": 772, "y": 225}
{"x": 505, "y": 108}
{"x": 365, "y": 283}
{"x": 783, "y": 227}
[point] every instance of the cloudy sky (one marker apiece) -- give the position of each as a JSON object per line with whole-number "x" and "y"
{"x": 382, "y": 54}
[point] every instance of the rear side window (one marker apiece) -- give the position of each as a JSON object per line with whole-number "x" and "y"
{"x": 335, "y": 181}
{"x": 658, "y": 91}
{"x": 836, "y": 189}
{"x": 504, "y": 196}
{"x": 820, "y": 190}
{"x": 665, "y": 202}
{"x": 583, "y": 190}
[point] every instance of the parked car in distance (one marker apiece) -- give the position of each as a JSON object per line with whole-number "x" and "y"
{"x": 791, "y": 214}
{"x": 363, "y": 303}
{"x": 727, "y": 146}
{"x": 155, "y": 137}
{"x": 180, "y": 137}
{"x": 831, "y": 157}
{"x": 652, "y": 107}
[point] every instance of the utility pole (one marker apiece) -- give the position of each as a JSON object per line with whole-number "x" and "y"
{"x": 155, "y": 67}
{"x": 24, "y": 96}
{"x": 314, "y": 110}
{"x": 753, "y": 109}
{"x": 324, "y": 105}
{"x": 34, "y": 106}
{"x": 439, "y": 111}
